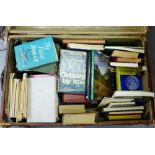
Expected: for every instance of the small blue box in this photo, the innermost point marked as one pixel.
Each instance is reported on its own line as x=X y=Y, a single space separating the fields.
x=131 y=82
x=35 y=53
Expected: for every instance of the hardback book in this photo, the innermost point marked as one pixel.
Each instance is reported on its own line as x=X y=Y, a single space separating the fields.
x=100 y=76
x=128 y=79
x=71 y=109
x=35 y=53
x=84 y=41
x=48 y=68
x=72 y=119
x=125 y=60
x=121 y=104
x=43 y=100
x=85 y=46
x=125 y=48
x=74 y=98
x=121 y=64
x=124 y=117
x=72 y=72
x=124 y=54
x=133 y=94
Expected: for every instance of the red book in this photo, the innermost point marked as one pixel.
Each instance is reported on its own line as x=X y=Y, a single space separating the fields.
x=74 y=98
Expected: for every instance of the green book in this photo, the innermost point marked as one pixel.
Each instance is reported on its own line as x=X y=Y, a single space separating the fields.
x=92 y=77
x=48 y=68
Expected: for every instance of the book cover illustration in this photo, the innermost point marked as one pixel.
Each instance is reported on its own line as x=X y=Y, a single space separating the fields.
x=101 y=75
x=128 y=79
x=35 y=53
x=72 y=72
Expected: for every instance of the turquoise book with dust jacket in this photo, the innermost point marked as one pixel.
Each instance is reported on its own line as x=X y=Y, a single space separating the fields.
x=35 y=53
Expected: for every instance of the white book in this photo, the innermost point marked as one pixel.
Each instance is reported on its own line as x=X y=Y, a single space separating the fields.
x=132 y=94
x=85 y=46
x=119 y=64
x=106 y=101
x=111 y=105
x=43 y=101
x=124 y=48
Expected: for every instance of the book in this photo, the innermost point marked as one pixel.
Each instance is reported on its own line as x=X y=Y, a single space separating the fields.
x=83 y=41
x=72 y=72
x=120 y=64
x=124 y=117
x=71 y=109
x=35 y=53
x=121 y=104
x=124 y=54
x=101 y=83
x=131 y=60
x=72 y=119
x=85 y=46
x=128 y=79
x=74 y=98
x=121 y=108
x=125 y=48
x=133 y=94
x=49 y=68
x=125 y=112
x=105 y=101
x=43 y=99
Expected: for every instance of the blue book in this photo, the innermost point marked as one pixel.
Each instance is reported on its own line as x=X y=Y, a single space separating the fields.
x=131 y=82
x=35 y=53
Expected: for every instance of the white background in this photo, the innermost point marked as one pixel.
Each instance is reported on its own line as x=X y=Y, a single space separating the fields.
x=77 y=13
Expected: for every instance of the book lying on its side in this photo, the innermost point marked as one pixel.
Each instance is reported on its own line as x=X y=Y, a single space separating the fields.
x=133 y=94
x=125 y=112
x=126 y=60
x=123 y=104
x=85 y=46
x=85 y=118
x=109 y=109
x=124 y=117
x=83 y=41
x=74 y=98
x=125 y=48
x=71 y=109
x=121 y=64
x=124 y=54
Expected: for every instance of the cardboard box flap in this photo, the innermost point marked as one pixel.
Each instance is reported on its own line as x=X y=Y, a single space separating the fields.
x=83 y=30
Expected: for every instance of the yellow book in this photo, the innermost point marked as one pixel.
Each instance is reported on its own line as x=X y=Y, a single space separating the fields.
x=123 y=117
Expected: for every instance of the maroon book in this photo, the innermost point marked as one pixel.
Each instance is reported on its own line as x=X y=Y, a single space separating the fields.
x=74 y=98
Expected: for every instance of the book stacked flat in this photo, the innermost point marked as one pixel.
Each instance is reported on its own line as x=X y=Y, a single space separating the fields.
x=121 y=109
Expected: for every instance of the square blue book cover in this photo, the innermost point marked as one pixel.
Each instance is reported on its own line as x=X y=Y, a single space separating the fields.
x=35 y=53
x=131 y=82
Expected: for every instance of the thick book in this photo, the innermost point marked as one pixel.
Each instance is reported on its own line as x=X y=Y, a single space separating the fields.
x=85 y=46
x=117 y=59
x=35 y=53
x=72 y=72
x=133 y=94
x=71 y=109
x=124 y=54
x=128 y=79
x=43 y=100
x=101 y=78
x=125 y=64
x=74 y=98
x=85 y=118
x=126 y=48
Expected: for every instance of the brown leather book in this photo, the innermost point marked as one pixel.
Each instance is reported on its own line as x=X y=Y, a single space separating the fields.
x=74 y=98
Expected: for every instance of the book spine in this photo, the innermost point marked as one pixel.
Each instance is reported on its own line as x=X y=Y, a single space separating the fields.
x=88 y=75
x=92 y=76
x=118 y=82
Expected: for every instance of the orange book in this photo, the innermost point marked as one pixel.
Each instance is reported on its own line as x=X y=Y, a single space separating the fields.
x=127 y=60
